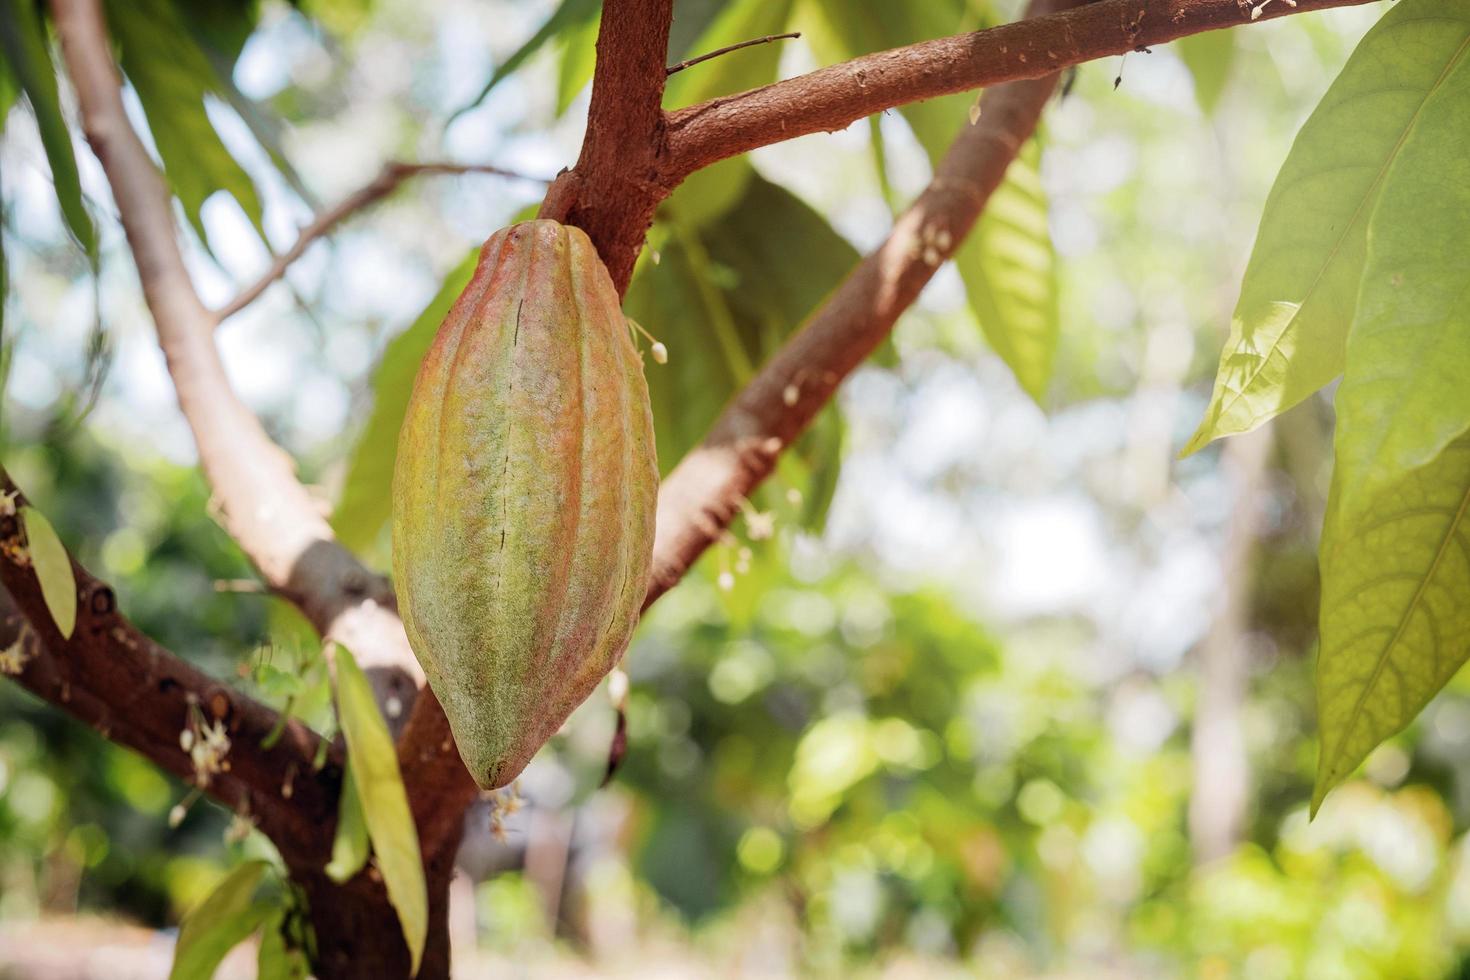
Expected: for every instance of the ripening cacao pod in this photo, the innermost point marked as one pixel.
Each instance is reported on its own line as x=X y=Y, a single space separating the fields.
x=524 y=496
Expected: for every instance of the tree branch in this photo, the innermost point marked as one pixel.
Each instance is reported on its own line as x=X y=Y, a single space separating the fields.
x=612 y=191
x=702 y=495
x=265 y=508
x=830 y=99
x=114 y=678
x=386 y=182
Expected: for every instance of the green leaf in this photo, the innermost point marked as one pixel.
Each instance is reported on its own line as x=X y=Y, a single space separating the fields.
x=1403 y=396
x=52 y=566
x=385 y=807
x=571 y=19
x=1395 y=622
x=218 y=924
x=1208 y=57
x=1009 y=269
x=367 y=492
x=23 y=42
x=1300 y=292
x=350 y=846
x=277 y=959
x=172 y=76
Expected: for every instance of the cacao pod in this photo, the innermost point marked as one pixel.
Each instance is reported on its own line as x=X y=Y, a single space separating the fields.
x=524 y=495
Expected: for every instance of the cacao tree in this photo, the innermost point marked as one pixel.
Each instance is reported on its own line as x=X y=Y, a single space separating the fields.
x=520 y=472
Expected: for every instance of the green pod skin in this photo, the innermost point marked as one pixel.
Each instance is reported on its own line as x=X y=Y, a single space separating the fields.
x=524 y=495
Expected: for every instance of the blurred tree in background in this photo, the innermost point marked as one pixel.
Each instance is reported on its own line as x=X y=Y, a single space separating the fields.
x=984 y=680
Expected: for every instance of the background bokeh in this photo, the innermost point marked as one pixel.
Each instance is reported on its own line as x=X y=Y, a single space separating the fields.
x=1012 y=691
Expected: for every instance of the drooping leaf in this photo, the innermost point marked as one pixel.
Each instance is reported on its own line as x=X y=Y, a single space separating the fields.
x=218 y=924
x=350 y=846
x=366 y=498
x=1290 y=325
x=277 y=959
x=1403 y=396
x=570 y=18
x=385 y=808
x=52 y=566
x=1395 y=620
x=1009 y=269
x=172 y=77
x=24 y=45
x=1208 y=57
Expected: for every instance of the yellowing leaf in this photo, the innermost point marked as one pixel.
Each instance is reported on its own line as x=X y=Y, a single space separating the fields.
x=1395 y=608
x=1300 y=290
x=52 y=566
x=384 y=802
x=350 y=846
x=218 y=924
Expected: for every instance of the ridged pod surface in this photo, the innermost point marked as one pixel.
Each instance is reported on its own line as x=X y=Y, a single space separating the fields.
x=524 y=496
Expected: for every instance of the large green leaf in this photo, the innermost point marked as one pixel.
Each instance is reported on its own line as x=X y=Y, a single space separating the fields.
x=1009 y=269
x=172 y=76
x=367 y=491
x=384 y=802
x=1395 y=617
x=23 y=42
x=1208 y=57
x=1404 y=395
x=1290 y=325
x=52 y=566
x=219 y=924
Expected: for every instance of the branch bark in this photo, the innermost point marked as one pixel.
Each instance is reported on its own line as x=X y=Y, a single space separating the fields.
x=265 y=508
x=114 y=678
x=386 y=182
x=703 y=494
x=831 y=98
x=612 y=191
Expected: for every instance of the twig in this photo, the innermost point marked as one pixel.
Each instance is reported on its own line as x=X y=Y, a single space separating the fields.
x=114 y=678
x=386 y=182
x=691 y=62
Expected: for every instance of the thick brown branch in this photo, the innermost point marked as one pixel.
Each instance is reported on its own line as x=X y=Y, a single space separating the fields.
x=265 y=508
x=831 y=98
x=703 y=494
x=612 y=191
x=386 y=182
x=117 y=680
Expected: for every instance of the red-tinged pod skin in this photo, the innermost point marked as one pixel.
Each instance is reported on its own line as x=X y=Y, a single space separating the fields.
x=524 y=496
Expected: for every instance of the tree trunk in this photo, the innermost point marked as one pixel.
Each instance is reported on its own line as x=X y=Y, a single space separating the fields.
x=357 y=930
